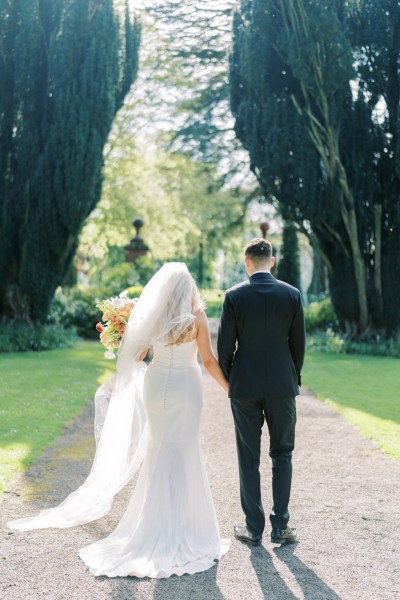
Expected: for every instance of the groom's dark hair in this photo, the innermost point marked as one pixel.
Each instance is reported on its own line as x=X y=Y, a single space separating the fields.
x=258 y=250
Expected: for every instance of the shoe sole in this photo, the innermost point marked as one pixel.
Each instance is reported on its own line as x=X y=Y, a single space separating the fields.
x=282 y=541
x=248 y=540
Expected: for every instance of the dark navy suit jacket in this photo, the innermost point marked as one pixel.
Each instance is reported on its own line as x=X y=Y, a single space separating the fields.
x=261 y=338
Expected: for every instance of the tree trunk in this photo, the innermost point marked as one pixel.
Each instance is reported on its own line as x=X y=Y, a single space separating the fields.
x=378 y=263
x=319 y=282
x=350 y=222
x=15 y=304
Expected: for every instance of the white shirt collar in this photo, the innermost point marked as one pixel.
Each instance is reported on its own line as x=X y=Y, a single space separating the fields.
x=261 y=271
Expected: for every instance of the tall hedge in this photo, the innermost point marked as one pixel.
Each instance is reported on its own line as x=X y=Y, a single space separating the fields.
x=315 y=91
x=65 y=67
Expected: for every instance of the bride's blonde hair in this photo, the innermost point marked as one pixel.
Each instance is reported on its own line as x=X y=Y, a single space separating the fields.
x=186 y=280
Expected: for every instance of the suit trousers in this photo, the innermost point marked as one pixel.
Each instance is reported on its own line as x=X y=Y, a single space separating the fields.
x=280 y=416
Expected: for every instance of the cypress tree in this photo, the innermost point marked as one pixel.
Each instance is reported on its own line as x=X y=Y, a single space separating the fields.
x=318 y=284
x=315 y=95
x=289 y=262
x=65 y=69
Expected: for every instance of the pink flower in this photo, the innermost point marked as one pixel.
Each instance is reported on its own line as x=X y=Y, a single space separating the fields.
x=99 y=327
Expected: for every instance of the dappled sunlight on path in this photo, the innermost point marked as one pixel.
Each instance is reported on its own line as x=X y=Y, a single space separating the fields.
x=12 y=460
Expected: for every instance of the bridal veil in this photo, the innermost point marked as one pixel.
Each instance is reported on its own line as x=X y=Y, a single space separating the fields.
x=163 y=312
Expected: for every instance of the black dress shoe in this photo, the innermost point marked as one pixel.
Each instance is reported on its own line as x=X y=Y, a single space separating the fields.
x=284 y=536
x=244 y=535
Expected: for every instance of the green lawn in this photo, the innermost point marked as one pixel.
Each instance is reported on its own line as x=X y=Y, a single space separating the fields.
x=365 y=389
x=40 y=393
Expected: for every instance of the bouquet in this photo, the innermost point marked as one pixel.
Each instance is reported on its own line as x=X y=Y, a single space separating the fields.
x=116 y=313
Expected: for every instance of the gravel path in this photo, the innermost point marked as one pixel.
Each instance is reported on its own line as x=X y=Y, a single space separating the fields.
x=345 y=504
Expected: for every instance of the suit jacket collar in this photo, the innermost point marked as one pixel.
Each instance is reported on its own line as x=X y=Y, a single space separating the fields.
x=257 y=277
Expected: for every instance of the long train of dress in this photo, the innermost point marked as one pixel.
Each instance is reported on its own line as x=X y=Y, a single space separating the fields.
x=170 y=525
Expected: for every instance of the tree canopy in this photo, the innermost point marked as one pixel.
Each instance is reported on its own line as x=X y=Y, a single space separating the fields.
x=315 y=94
x=188 y=215
x=65 y=68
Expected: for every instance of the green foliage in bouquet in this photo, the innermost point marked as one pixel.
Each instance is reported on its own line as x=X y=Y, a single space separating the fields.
x=115 y=316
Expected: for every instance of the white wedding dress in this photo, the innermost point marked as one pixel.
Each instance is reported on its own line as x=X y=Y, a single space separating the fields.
x=149 y=417
x=170 y=525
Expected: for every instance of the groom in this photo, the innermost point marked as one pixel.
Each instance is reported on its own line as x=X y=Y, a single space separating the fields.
x=261 y=343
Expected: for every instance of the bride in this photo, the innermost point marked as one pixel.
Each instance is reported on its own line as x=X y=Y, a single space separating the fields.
x=150 y=417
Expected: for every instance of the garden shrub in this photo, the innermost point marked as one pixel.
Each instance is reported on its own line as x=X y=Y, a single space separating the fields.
x=329 y=341
x=76 y=307
x=326 y=341
x=320 y=315
x=377 y=347
x=214 y=300
x=17 y=336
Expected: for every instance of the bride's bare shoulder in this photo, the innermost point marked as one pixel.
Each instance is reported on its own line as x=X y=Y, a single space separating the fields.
x=200 y=315
x=201 y=322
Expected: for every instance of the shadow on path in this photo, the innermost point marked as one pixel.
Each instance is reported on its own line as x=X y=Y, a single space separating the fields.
x=271 y=583
x=194 y=587
x=312 y=586
x=200 y=586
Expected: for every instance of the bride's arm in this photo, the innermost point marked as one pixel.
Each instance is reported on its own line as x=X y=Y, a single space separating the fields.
x=143 y=355
x=206 y=352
